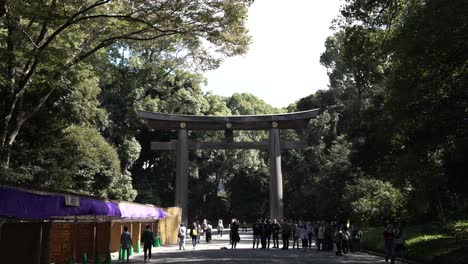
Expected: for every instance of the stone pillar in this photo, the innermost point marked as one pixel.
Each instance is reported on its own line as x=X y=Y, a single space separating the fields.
x=276 y=177
x=181 y=199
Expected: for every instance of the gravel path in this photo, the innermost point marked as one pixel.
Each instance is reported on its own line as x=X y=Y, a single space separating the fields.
x=211 y=253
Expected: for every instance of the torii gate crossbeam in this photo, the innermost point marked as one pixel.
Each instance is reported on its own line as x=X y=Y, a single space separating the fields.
x=273 y=123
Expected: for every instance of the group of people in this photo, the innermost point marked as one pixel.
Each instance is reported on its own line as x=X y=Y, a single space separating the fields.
x=327 y=236
x=302 y=233
x=205 y=229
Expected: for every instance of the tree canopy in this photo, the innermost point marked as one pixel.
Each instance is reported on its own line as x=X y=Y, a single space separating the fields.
x=390 y=143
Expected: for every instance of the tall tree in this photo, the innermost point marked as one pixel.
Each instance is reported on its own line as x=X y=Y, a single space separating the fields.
x=43 y=40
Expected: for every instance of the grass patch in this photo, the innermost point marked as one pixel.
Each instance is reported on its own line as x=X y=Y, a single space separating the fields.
x=427 y=243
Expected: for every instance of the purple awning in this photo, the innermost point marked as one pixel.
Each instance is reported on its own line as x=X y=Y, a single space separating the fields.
x=27 y=204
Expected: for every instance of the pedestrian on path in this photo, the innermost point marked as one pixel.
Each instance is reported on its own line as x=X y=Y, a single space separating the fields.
x=147 y=239
x=126 y=242
x=181 y=235
x=208 y=231
x=256 y=233
x=244 y=226
x=235 y=238
x=194 y=234
x=276 y=229
x=220 y=228
x=285 y=234
x=296 y=234
x=304 y=236
x=389 y=236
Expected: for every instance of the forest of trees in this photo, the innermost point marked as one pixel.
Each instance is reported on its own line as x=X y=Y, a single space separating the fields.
x=391 y=140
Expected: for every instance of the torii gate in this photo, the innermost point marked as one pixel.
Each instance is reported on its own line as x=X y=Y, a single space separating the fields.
x=273 y=123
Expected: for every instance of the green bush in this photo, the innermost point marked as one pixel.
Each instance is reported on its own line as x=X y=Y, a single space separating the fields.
x=427 y=243
x=458 y=229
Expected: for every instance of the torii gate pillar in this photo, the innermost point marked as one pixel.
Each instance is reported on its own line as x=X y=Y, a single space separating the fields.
x=181 y=197
x=276 y=177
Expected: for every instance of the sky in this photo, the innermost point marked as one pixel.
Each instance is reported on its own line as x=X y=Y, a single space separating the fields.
x=283 y=62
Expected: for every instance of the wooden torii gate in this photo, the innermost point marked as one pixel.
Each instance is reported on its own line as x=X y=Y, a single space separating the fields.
x=273 y=123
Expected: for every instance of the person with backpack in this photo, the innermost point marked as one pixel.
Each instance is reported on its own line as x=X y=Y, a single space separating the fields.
x=194 y=234
x=147 y=239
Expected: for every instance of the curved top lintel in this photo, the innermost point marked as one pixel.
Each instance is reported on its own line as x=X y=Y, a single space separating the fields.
x=242 y=122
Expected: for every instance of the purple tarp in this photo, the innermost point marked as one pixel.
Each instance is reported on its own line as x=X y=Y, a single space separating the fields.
x=30 y=205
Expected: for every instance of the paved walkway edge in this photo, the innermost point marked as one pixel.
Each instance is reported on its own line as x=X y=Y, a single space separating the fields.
x=383 y=255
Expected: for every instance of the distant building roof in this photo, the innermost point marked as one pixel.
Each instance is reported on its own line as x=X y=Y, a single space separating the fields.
x=23 y=203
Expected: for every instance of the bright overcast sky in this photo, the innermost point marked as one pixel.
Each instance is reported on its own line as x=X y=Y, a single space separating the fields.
x=282 y=64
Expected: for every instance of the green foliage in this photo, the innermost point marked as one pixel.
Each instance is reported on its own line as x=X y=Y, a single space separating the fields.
x=428 y=243
x=374 y=201
x=129 y=151
x=86 y=162
x=458 y=229
x=43 y=41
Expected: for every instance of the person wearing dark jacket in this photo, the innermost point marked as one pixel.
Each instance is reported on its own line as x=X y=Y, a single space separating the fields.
x=126 y=242
x=256 y=233
x=389 y=236
x=285 y=234
x=338 y=237
x=147 y=239
x=275 y=230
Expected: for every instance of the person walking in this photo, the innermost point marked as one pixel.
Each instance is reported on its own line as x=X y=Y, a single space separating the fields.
x=399 y=241
x=263 y=233
x=235 y=238
x=208 y=230
x=204 y=226
x=268 y=231
x=200 y=231
x=256 y=233
x=346 y=240
x=285 y=234
x=194 y=234
x=310 y=233
x=338 y=237
x=389 y=236
x=321 y=237
x=275 y=231
x=244 y=226
x=181 y=235
x=126 y=242
x=220 y=228
x=304 y=233
x=147 y=239
x=296 y=234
